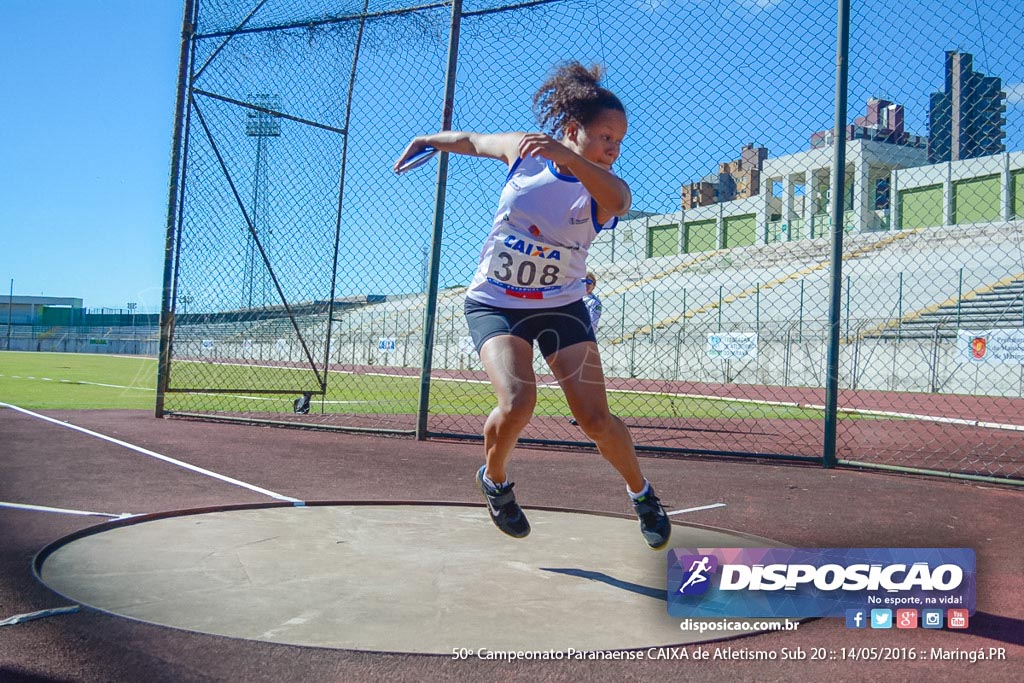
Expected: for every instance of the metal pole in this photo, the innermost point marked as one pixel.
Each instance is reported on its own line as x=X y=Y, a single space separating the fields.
x=622 y=321
x=847 y=316
x=341 y=198
x=959 y=297
x=684 y=310
x=10 y=314
x=838 y=196
x=757 y=309
x=652 y=316
x=166 y=306
x=800 y=332
x=131 y=311
x=899 y=311
x=675 y=366
x=719 y=308
x=430 y=314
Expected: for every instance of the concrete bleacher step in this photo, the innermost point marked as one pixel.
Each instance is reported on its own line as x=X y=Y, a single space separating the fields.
x=977 y=309
x=964 y=321
x=916 y=335
x=971 y=313
x=937 y=332
x=1009 y=232
x=857 y=248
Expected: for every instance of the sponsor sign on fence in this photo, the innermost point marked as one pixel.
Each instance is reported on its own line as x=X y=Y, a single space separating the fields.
x=732 y=345
x=992 y=347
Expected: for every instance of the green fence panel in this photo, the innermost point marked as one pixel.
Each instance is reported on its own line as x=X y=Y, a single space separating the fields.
x=977 y=200
x=740 y=231
x=663 y=240
x=701 y=236
x=921 y=207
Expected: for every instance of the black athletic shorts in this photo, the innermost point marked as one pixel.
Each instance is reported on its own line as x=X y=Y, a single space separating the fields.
x=553 y=328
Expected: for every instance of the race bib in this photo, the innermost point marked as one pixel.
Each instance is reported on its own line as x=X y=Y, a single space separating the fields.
x=530 y=265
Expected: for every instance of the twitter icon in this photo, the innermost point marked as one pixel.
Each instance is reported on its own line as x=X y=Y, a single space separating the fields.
x=881 y=618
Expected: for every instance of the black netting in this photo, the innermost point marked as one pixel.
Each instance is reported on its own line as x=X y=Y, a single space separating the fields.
x=302 y=260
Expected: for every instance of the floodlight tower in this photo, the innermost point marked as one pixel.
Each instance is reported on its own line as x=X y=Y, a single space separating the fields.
x=259 y=125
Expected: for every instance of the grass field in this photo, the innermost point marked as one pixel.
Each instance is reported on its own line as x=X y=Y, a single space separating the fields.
x=91 y=381
x=77 y=381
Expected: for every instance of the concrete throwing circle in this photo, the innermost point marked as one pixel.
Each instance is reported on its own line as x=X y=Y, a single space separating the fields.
x=413 y=578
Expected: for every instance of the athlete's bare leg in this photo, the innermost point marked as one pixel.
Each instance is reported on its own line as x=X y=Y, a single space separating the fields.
x=578 y=371
x=508 y=361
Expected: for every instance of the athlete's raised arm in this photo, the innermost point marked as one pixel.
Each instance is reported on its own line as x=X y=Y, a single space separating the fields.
x=501 y=146
x=610 y=192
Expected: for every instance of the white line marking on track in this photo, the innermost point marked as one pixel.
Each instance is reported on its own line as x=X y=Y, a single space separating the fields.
x=697 y=509
x=81 y=381
x=101 y=384
x=63 y=511
x=728 y=399
x=195 y=393
x=669 y=394
x=153 y=454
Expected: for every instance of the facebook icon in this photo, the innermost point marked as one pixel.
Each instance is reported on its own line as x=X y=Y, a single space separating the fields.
x=856 y=618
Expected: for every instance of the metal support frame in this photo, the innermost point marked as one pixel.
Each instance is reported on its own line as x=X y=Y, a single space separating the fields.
x=430 y=314
x=828 y=459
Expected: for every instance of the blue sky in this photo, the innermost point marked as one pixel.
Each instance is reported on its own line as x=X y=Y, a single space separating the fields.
x=89 y=87
x=86 y=129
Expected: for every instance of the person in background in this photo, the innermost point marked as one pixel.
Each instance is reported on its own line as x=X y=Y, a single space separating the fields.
x=593 y=305
x=591 y=301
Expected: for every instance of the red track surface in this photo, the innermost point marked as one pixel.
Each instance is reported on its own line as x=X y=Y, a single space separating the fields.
x=43 y=464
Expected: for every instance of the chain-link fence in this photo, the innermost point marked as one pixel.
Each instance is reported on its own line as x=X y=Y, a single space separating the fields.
x=300 y=267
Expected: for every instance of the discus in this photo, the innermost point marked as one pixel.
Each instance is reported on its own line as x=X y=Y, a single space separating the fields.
x=418 y=159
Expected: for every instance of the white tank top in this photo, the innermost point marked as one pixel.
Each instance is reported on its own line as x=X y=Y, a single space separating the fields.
x=535 y=255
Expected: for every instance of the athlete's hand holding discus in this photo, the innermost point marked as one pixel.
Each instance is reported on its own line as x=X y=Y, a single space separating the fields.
x=415 y=155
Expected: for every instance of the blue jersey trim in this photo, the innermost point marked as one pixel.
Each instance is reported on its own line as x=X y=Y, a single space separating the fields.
x=560 y=176
x=512 y=169
x=593 y=216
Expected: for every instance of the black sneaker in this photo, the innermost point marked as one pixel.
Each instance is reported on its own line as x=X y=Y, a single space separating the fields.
x=502 y=507
x=654 y=523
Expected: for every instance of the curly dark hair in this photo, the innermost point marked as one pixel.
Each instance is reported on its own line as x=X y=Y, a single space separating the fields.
x=573 y=93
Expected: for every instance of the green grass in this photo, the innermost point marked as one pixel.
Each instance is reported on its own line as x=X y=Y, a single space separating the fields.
x=74 y=381
x=90 y=381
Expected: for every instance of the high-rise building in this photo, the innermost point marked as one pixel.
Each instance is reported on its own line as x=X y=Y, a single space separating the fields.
x=966 y=119
x=883 y=122
x=737 y=179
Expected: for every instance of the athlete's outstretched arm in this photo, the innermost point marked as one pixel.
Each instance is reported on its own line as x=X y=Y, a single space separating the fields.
x=502 y=146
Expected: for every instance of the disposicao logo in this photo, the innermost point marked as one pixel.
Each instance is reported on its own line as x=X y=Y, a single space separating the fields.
x=698 y=577
x=816 y=582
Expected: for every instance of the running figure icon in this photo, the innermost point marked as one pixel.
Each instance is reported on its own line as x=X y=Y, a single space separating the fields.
x=698 y=570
